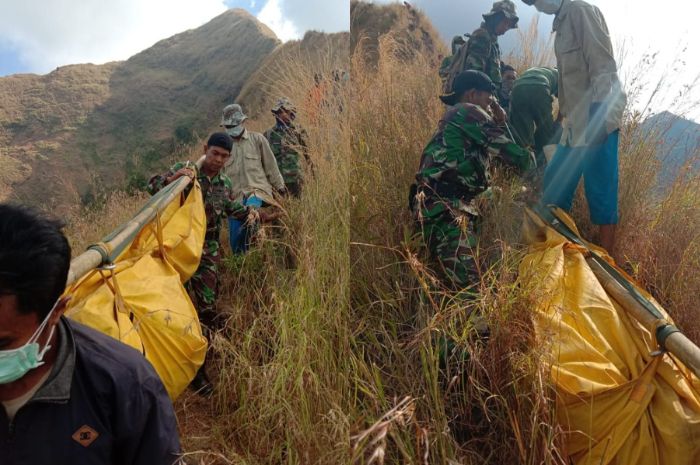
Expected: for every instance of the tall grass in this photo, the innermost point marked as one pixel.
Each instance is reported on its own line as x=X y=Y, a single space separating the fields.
x=491 y=409
x=334 y=348
x=283 y=362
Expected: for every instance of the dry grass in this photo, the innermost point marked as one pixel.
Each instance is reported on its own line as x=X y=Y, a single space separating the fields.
x=532 y=49
x=334 y=350
x=494 y=408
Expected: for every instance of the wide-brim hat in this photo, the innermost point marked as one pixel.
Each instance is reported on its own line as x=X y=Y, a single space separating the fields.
x=233 y=115
x=507 y=7
x=284 y=104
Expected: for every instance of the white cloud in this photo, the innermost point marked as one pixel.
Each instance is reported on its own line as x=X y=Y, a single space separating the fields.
x=291 y=18
x=271 y=15
x=49 y=33
x=320 y=15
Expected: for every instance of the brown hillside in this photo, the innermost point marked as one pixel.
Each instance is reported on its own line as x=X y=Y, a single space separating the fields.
x=117 y=122
x=40 y=113
x=409 y=32
x=295 y=61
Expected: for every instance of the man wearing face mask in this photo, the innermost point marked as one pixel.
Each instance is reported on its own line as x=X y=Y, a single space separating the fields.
x=592 y=102
x=287 y=142
x=253 y=171
x=482 y=52
x=70 y=395
x=454 y=172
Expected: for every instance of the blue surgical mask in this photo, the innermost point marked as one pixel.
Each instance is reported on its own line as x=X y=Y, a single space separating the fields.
x=15 y=363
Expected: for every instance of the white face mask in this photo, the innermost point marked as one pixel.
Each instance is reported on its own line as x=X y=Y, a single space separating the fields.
x=236 y=131
x=549 y=7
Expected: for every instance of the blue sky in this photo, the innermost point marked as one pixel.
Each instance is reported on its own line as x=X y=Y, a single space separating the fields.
x=36 y=36
x=10 y=62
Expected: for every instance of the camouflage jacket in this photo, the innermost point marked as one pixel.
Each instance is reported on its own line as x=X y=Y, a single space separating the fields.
x=444 y=70
x=480 y=53
x=454 y=168
x=484 y=54
x=287 y=143
x=217 y=193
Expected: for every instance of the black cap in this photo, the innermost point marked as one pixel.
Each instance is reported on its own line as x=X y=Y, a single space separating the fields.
x=220 y=139
x=465 y=81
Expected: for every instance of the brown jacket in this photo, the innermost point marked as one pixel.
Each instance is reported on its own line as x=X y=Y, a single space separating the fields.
x=253 y=168
x=587 y=69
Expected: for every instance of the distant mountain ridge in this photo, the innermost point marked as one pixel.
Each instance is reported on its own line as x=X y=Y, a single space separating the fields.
x=86 y=127
x=680 y=143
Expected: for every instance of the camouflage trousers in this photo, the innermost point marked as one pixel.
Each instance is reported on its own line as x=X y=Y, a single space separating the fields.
x=204 y=284
x=451 y=239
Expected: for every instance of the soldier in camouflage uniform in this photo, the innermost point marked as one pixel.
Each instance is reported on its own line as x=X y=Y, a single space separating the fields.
x=444 y=71
x=482 y=52
x=287 y=142
x=454 y=171
x=218 y=205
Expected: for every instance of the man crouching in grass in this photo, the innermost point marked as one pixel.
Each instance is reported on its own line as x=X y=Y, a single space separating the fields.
x=219 y=204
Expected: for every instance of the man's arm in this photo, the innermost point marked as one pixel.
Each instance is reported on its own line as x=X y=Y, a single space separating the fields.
x=590 y=27
x=159 y=181
x=501 y=146
x=272 y=171
x=152 y=436
x=233 y=208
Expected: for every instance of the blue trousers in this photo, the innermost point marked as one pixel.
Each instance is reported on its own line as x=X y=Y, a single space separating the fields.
x=598 y=166
x=239 y=234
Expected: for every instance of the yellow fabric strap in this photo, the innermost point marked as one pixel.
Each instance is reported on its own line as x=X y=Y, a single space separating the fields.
x=159 y=237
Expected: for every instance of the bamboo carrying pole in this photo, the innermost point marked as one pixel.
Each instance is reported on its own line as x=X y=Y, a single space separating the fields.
x=93 y=258
x=676 y=343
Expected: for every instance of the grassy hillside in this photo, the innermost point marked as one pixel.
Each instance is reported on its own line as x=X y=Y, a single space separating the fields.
x=332 y=349
x=316 y=52
x=103 y=126
x=408 y=31
x=40 y=114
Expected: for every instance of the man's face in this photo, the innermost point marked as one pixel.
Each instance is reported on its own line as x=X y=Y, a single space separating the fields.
x=503 y=26
x=510 y=75
x=216 y=158
x=284 y=115
x=16 y=328
x=235 y=131
x=481 y=98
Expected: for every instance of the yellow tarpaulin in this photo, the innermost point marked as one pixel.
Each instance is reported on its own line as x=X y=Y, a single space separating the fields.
x=617 y=403
x=142 y=301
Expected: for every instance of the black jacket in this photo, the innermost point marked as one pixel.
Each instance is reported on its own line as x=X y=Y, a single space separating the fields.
x=103 y=403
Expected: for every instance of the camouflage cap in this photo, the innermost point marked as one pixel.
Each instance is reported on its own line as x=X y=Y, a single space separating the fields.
x=507 y=7
x=233 y=115
x=283 y=103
